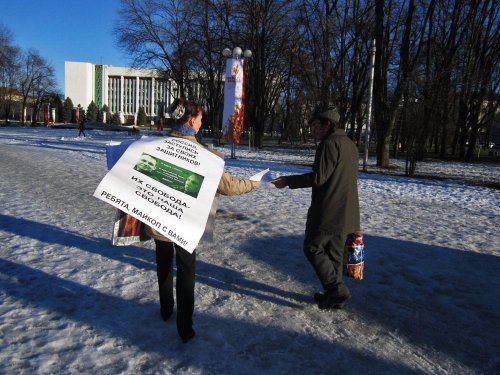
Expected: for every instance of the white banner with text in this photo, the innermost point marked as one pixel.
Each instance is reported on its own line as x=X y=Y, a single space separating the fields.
x=167 y=183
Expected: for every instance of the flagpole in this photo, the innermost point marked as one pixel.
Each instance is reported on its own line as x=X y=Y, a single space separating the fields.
x=369 y=114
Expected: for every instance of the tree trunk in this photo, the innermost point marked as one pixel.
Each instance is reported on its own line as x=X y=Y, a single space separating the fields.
x=472 y=144
x=383 y=142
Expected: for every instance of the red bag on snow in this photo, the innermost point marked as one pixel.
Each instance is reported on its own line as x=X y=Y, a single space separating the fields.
x=354 y=256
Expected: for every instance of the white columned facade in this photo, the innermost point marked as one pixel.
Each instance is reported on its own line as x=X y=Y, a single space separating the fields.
x=122 y=90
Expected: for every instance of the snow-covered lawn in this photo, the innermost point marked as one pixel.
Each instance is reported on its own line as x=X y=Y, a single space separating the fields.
x=72 y=303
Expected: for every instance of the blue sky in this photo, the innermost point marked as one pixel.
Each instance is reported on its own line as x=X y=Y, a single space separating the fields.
x=65 y=30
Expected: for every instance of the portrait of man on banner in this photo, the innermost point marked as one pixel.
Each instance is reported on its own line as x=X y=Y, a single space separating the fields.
x=171 y=175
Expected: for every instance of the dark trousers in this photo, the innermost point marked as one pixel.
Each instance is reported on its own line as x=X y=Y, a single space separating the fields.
x=326 y=253
x=184 y=287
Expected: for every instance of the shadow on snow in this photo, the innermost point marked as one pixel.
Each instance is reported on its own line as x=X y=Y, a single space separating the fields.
x=247 y=345
x=434 y=296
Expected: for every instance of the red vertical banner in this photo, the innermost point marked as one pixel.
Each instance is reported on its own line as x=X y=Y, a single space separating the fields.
x=76 y=114
x=234 y=107
x=46 y=115
x=242 y=114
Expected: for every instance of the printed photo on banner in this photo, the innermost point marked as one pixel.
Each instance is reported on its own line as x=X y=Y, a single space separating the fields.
x=127 y=230
x=170 y=175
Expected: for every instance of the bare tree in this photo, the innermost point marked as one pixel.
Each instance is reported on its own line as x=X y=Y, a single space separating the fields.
x=158 y=34
x=289 y=98
x=358 y=62
x=9 y=66
x=42 y=90
x=445 y=33
x=36 y=79
x=335 y=56
x=264 y=26
x=210 y=30
x=436 y=61
x=480 y=80
x=316 y=19
x=398 y=31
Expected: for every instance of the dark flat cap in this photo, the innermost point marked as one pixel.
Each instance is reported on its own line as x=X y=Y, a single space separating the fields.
x=330 y=114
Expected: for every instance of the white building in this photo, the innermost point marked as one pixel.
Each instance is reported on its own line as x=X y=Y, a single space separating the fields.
x=121 y=89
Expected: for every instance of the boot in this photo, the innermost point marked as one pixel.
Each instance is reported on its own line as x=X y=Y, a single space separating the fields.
x=334 y=298
x=319 y=296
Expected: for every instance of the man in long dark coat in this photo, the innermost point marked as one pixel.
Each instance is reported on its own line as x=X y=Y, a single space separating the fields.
x=334 y=210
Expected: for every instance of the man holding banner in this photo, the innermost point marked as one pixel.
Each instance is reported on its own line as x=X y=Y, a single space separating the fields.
x=175 y=199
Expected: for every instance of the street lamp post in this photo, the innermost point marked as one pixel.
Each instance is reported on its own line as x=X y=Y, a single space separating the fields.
x=370 y=96
x=236 y=54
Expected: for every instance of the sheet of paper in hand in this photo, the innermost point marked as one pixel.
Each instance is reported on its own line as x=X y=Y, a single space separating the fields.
x=262 y=176
x=167 y=183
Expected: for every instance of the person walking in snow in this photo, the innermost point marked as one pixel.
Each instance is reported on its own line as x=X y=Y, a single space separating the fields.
x=187 y=116
x=81 y=128
x=334 y=209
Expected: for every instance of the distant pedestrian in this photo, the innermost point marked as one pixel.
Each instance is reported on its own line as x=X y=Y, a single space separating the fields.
x=81 y=127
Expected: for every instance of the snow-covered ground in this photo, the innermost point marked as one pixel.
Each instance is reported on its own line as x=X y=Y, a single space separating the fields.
x=72 y=303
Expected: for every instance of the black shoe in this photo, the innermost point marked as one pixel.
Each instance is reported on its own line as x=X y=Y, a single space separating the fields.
x=334 y=298
x=326 y=306
x=319 y=296
x=333 y=303
x=185 y=337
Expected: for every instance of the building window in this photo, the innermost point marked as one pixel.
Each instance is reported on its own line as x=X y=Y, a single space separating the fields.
x=130 y=88
x=145 y=86
x=114 y=94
